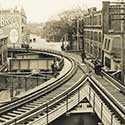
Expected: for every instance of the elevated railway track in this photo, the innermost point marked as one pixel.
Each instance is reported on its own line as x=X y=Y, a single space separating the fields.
x=110 y=92
x=49 y=101
x=39 y=103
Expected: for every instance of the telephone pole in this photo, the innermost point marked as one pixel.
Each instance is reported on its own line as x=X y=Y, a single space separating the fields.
x=78 y=39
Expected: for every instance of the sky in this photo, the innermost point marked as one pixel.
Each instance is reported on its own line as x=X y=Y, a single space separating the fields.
x=42 y=10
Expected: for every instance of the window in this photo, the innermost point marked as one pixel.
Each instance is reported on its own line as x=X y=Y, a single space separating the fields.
x=90 y=20
x=108 y=62
x=87 y=34
x=96 y=20
x=100 y=20
x=108 y=44
x=105 y=43
x=34 y=40
x=100 y=38
x=96 y=36
x=30 y=40
x=99 y=53
x=91 y=35
x=22 y=29
x=91 y=49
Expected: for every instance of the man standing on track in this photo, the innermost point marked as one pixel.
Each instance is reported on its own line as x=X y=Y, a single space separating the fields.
x=83 y=56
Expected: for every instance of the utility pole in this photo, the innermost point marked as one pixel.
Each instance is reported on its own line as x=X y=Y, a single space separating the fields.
x=78 y=39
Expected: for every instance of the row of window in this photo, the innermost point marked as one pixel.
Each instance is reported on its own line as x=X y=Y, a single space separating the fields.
x=93 y=35
x=33 y=40
x=93 y=50
x=93 y=20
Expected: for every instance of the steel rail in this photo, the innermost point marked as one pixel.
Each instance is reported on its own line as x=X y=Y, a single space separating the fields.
x=57 y=101
x=35 y=95
x=19 y=101
x=111 y=79
x=108 y=98
x=114 y=81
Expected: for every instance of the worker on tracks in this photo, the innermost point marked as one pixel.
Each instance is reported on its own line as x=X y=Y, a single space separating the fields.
x=54 y=67
x=98 y=68
x=83 y=56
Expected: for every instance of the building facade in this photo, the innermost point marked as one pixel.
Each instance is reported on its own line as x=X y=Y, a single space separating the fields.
x=102 y=34
x=3 y=46
x=93 y=33
x=14 y=20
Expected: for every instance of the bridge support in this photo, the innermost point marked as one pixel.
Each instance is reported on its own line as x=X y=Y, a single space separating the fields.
x=106 y=116
x=101 y=110
x=89 y=94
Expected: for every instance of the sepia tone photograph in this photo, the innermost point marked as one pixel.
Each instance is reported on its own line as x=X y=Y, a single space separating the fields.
x=62 y=62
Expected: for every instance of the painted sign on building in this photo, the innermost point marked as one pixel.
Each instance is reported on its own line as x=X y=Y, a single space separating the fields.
x=7 y=20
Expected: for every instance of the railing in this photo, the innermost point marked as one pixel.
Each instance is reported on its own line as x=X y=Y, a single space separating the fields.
x=110 y=105
x=108 y=99
x=24 y=80
x=114 y=81
x=39 y=93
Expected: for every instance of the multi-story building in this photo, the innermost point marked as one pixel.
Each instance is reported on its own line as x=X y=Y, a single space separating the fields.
x=102 y=36
x=14 y=20
x=3 y=46
x=93 y=32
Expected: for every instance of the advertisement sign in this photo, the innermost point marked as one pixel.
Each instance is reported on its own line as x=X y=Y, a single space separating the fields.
x=13 y=36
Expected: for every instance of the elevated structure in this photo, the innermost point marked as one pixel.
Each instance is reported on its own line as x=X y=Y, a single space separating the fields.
x=50 y=100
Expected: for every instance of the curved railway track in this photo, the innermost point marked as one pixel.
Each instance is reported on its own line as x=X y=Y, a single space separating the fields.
x=34 y=105
x=114 y=93
x=113 y=90
x=40 y=103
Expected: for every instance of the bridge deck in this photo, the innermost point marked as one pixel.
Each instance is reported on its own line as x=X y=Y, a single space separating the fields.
x=109 y=87
x=62 y=72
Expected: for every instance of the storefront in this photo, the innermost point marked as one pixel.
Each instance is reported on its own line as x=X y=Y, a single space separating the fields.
x=112 y=52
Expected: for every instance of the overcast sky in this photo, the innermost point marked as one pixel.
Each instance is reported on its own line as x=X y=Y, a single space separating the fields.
x=42 y=10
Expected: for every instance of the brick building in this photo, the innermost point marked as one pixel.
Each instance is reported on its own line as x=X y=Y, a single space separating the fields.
x=102 y=34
